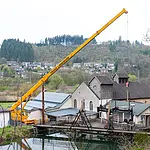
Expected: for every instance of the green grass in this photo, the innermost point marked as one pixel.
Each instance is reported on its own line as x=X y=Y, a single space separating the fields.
x=11 y=133
x=6 y=104
x=11 y=128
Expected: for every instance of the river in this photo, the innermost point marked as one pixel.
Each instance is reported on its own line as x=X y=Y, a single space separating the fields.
x=59 y=141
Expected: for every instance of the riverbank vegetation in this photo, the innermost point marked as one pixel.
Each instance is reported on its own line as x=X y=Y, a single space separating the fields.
x=6 y=104
x=139 y=142
x=10 y=133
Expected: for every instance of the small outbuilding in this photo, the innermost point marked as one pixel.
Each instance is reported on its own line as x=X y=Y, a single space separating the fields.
x=141 y=112
x=52 y=101
x=4 y=117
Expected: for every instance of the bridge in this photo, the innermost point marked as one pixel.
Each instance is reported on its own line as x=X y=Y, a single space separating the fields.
x=83 y=129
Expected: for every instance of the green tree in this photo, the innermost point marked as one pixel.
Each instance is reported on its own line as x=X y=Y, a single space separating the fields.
x=55 y=81
x=132 y=78
x=112 y=47
x=13 y=49
x=3 y=60
x=8 y=72
x=116 y=66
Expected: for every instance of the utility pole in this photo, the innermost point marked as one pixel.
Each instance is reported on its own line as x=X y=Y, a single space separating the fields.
x=21 y=113
x=127 y=87
x=43 y=119
x=138 y=75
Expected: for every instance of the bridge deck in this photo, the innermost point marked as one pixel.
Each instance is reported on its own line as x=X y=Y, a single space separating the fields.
x=85 y=129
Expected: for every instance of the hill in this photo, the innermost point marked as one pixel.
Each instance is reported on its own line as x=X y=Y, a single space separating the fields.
x=129 y=56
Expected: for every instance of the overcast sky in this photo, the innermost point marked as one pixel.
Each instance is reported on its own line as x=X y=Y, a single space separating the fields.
x=34 y=20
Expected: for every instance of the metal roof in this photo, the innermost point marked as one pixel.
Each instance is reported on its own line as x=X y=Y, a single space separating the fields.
x=38 y=104
x=137 y=109
x=68 y=112
x=52 y=97
x=63 y=112
x=51 y=100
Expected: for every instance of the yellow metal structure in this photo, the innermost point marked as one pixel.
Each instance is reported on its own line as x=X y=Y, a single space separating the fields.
x=15 y=113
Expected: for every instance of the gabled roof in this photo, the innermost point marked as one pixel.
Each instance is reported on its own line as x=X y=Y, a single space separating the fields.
x=137 y=109
x=103 y=80
x=91 y=90
x=121 y=75
x=136 y=90
x=51 y=100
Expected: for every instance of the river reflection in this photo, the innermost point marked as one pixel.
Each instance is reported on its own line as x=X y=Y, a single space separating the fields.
x=60 y=141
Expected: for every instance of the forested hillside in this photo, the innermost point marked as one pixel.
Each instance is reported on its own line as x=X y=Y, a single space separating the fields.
x=132 y=57
x=128 y=56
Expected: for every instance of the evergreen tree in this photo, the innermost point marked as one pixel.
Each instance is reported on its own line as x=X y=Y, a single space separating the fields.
x=13 y=49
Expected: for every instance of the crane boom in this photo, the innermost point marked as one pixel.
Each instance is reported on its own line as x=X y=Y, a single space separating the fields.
x=66 y=59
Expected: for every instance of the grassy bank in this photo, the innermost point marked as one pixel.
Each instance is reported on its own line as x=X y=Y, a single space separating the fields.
x=6 y=104
x=10 y=133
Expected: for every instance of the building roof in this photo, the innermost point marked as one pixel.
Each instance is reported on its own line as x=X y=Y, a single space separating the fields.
x=68 y=112
x=63 y=112
x=136 y=90
x=138 y=108
x=51 y=100
x=122 y=75
x=103 y=80
x=2 y=110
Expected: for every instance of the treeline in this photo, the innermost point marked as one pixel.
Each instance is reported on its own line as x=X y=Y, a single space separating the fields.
x=113 y=45
x=15 y=50
x=66 y=40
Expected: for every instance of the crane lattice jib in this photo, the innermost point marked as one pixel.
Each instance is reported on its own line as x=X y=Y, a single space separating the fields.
x=66 y=59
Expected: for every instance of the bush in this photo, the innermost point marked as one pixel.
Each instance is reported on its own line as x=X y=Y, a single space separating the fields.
x=3 y=88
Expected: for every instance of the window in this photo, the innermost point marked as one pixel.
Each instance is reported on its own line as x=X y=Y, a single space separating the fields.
x=94 y=86
x=91 y=105
x=142 y=117
x=75 y=103
x=83 y=104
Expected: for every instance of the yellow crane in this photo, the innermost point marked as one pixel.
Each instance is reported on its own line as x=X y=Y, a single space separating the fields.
x=16 y=113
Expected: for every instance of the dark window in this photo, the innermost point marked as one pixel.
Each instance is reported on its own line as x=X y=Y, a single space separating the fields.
x=91 y=105
x=83 y=104
x=119 y=80
x=75 y=103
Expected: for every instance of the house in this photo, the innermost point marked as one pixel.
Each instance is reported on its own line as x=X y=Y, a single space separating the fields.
x=101 y=89
x=4 y=117
x=141 y=112
x=93 y=94
x=88 y=65
x=78 y=99
x=136 y=91
x=84 y=95
x=52 y=101
x=76 y=65
x=48 y=65
x=120 y=77
x=26 y=64
x=58 y=106
x=12 y=63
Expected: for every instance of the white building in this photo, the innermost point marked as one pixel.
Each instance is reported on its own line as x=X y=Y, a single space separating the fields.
x=4 y=117
x=141 y=112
